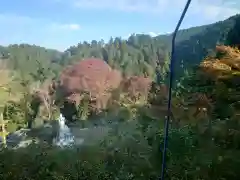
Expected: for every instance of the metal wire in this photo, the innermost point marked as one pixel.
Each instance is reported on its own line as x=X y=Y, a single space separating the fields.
x=166 y=129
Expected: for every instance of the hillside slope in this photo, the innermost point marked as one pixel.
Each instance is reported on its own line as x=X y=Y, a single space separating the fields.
x=193 y=44
x=139 y=55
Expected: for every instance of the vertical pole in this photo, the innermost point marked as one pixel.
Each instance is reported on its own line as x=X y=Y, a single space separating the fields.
x=166 y=129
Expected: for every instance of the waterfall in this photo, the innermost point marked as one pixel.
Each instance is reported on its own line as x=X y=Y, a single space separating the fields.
x=64 y=137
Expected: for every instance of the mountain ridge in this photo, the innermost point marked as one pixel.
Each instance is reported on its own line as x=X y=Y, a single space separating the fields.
x=139 y=54
x=160 y=36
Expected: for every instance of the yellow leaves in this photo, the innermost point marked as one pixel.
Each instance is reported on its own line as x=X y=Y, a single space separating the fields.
x=228 y=51
x=216 y=65
x=225 y=64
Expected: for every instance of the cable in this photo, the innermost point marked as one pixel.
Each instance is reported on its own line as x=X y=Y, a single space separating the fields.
x=166 y=129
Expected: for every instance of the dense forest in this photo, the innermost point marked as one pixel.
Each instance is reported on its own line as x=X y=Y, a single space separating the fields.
x=138 y=55
x=121 y=87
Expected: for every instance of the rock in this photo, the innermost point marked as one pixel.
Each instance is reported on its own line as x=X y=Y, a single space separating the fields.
x=38 y=123
x=16 y=137
x=23 y=144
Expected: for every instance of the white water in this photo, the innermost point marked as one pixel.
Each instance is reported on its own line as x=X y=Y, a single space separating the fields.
x=64 y=137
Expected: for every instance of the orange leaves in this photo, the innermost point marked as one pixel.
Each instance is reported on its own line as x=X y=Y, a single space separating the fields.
x=224 y=64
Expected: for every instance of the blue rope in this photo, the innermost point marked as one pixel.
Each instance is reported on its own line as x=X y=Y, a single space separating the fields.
x=166 y=129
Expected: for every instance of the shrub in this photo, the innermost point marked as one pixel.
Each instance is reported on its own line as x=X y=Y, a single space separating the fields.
x=128 y=153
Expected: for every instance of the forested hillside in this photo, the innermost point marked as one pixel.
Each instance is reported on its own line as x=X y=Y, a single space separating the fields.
x=193 y=48
x=119 y=87
x=139 y=55
x=139 y=60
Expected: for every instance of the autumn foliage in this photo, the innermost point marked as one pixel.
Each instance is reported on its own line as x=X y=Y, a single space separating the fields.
x=137 y=86
x=92 y=76
x=224 y=65
x=223 y=73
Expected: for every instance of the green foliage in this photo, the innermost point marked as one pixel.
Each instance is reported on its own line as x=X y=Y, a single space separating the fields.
x=26 y=58
x=138 y=55
x=194 y=44
x=12 y=127
x=233 y=37
x=128 y=153
x=83 y=108
x=14 y=113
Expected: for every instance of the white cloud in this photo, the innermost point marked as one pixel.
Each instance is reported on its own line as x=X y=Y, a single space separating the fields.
x=215 y=9
x=153 y=34
x=122 y=5
x=10 y=20
x=217 y=12
x=209 y=9
x=71 y=27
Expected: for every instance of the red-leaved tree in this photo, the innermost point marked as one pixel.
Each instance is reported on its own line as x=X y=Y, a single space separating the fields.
x=92 y=76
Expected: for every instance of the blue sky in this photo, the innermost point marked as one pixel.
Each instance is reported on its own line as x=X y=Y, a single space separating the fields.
x=60 y=23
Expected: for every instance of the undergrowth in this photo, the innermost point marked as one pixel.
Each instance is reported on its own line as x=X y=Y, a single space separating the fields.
x=125 y=155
